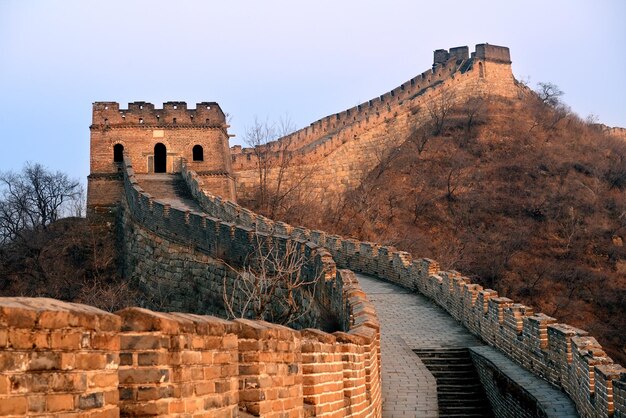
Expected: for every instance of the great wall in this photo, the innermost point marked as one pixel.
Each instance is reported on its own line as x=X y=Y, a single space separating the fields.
x=64 y=359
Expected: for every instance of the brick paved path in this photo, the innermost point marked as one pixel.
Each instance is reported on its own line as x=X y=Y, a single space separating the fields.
x=411 y=321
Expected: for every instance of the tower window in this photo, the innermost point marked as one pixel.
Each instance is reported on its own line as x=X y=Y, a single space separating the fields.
x=118 y=153
x=174 y=120
x=198 y=153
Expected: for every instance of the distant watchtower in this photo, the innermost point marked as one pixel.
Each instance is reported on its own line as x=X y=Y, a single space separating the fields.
x=157 y=141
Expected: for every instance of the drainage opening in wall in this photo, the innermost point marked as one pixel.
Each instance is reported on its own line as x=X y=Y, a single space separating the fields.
x=459 y=391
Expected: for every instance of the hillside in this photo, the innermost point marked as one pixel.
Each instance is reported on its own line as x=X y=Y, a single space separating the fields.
x=72 y=259
x=521 y=195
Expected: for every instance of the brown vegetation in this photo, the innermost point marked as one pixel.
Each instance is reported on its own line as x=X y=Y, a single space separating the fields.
x=71 y=260
x=524 y=197
x=272 y=285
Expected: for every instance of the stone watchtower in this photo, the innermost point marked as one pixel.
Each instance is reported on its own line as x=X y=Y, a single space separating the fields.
x=157 y=141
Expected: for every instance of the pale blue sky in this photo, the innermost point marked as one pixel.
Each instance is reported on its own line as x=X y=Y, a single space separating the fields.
x=267 y=58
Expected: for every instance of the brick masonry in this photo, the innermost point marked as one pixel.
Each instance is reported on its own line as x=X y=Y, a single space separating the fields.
x=142 y=362
x=67 y=359
x=57 y=359
x=137 y=130
x=514 y=392
x=160 y=364
x=333 y=154
x=563 y=355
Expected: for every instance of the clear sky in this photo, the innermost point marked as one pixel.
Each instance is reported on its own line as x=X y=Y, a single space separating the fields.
x=307 y=59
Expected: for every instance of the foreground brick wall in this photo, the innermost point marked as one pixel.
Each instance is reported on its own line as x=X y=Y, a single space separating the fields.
x=57 y=359
x=177 y=365
x=65 y=359
x=565 y=356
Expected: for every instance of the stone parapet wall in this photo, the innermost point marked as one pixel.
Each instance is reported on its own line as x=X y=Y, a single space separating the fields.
x=177 y=365
x=509 y=395
x=332 y=155
x=456 y=69
x=57 y=359
x=65 y=359
x=563 y=355
x=213 y=236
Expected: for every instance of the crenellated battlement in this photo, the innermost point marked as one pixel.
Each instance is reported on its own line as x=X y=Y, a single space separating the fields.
x=69 y=358
x=441 y=56
x=172 y=115
x=494 y=53
x=487 y=69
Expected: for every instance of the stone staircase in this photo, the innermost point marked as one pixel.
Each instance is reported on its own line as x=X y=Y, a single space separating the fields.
x=169 y=188
x=459 y=391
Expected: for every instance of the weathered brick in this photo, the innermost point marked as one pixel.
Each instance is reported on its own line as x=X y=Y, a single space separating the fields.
x=143 y=342
x=91 y=400
x=44 y=360
x=36 y=403
x=102 y=380
x=90 y=361
x=134 y=376
x=66 y=340
x=60 y=402
x=13 y=405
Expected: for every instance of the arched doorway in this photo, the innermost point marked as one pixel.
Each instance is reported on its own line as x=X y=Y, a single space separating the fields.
x=198 y=153
x=160 y=158
x=118 y=153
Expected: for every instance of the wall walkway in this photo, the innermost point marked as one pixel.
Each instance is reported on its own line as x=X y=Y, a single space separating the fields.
x=410 y=321
x=565 y=356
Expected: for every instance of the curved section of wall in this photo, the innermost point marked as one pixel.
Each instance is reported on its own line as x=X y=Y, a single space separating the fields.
x=57 y=357
x=340 y=372
x=565 y=356
x=63 y=358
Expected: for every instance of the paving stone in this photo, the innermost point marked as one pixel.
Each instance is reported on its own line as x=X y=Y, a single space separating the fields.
x=411 y=321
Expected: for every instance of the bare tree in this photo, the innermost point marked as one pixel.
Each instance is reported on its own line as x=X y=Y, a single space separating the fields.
x=420 y=136
x=273 y=284
x=549 y=93
x=439 y=109
x=257 y=137
x=33 y=199
x=547 y=107
x=474 y=110
x=272 y=148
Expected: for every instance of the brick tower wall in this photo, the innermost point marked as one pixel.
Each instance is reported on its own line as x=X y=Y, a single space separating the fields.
x=139 y=128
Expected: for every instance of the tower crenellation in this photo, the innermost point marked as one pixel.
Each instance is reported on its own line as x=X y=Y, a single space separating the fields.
x=493 y=53
x=172 y=113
